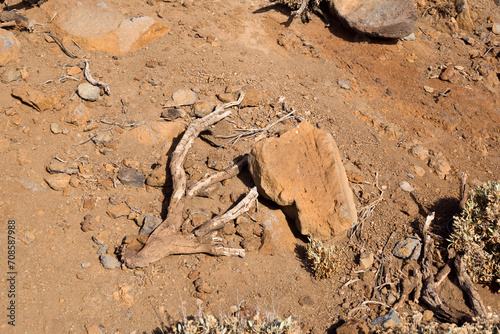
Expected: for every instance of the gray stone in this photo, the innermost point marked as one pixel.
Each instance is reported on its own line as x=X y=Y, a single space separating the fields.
x=172 y=113
x=149 y=224
x=102 y=250
x=409 y=248
x=109 y=262
x=102 y=137
x=344 y=84
x=88 y=92
x=184 y=97
x=378 y=18
x=405 y=186
x=130 y=176
x=387 y=320
x=10 y=75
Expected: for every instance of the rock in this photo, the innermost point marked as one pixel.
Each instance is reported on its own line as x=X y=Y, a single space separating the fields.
x=109 y=262
x=366 y=260
x=99 y=26
x=405 y=186
x=61 y=167
x=440 y=166
x=95 y=329
x=203 y=108
x=88 y=223
x=251 y=244
x=464 y=19
x=171 y=113
x=89 y=202
x=184 y=97
x=448 y=74
x=159 y=177
x=429 y=89
x=418 y=170
x=152 y=133
x=408 y=248
x=420 y=152
x=306 y=301
x=378 y=18
x=353 y=326
x=9 y=47
x=277 y=237
x=496 y=28
x=150 y=223
x=302 y=171
x=54 y=128
x=344 y=84
x=410 y=38
x=387 y=320
x=36 y=99
x=10 y=75
x=77 y=115
x=253 y=97
x=131 y=176
x=28 y=238
x=88 y=91
x=427 y=316
x=102 y=138
x=409 y=207
x=117 y=211
x=58 y=182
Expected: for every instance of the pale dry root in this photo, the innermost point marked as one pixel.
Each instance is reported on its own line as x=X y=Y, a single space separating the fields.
x=166 y=239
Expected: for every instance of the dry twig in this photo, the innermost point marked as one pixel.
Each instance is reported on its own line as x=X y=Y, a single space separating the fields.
x=92 y=81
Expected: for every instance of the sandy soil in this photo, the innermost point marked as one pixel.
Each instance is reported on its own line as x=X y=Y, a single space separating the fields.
x=61 y=286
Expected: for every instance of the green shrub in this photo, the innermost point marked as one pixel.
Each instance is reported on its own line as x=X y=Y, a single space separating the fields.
x=476 y=233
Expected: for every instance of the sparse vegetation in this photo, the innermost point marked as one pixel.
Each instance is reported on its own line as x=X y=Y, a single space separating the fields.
x=322 y=260
x=208 y=324
x=476 y=233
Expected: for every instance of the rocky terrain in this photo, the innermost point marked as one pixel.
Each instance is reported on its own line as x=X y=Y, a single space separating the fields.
x=94 y=99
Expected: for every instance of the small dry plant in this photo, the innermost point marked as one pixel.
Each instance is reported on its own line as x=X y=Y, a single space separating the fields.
x=208 y=324
x=476 y=233
x=323 y=260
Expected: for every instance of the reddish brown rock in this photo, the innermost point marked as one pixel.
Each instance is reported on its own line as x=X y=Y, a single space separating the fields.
x=99 y=26
x=302 y=172
x=35 y=98
x=9 y=47
x=378 y=18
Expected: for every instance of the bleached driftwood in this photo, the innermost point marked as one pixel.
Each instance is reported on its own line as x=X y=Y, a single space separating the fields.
x=166 y=239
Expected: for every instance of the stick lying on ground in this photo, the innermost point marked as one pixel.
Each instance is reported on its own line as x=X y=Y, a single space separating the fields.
x=166 y=240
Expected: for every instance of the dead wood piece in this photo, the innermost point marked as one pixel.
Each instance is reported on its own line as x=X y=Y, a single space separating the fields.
x=464 y=190
x=92 y=81
x=221 y=176
x=429 y=294
x=442 y=274
x=166 y=239
x=468 y=287
x=21 y=21
x=219 y=222
x=61 y=45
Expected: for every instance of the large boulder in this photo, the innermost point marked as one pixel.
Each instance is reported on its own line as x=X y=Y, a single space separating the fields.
x=303 y=173
x=96 y=25
x=9 y=47
x=378 y=18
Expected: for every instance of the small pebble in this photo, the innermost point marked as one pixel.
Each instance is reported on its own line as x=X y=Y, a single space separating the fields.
x=344 y=84
x=109 y=262
x=88 y=92
x=54 y=128
x=405 y=186
x=130 y=176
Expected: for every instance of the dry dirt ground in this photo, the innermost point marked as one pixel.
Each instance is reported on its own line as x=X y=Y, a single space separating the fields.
x=61 y=287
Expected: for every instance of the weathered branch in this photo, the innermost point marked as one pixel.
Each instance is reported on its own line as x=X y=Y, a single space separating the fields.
x=219 y=222
x=92 y=81
x=221 y=176
x=165 y=239
x=429 y=294
x=468 y=287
